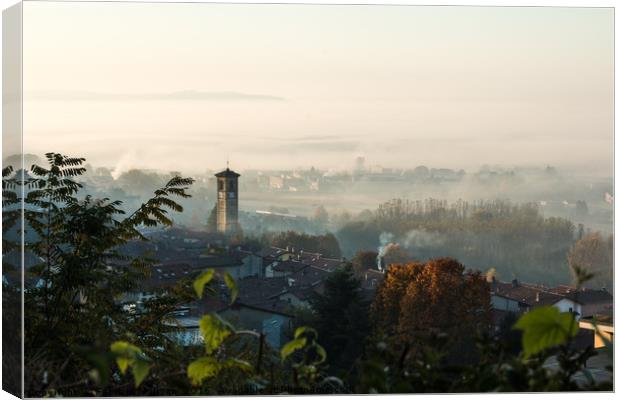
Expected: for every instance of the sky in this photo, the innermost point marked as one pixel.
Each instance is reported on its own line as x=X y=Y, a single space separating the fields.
x=188 y=86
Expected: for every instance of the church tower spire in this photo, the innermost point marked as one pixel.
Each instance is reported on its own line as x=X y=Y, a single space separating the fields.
x=227 y=209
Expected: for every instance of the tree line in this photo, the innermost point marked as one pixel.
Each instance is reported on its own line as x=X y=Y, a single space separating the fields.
x=515 y=239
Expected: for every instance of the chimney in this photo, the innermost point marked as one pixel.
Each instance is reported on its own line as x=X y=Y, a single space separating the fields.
x=515 y=283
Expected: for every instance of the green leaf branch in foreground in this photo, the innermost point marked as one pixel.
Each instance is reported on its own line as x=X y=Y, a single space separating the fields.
x=202 y=280
x=214 y=331
x=545 y=327
x=130 y=356
x=208 y=367
x=232 y=286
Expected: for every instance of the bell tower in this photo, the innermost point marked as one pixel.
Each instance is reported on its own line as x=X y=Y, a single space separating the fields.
x=227 y=211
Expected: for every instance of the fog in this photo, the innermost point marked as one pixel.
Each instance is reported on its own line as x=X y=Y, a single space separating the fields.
x=257 y=134
x=188 y=86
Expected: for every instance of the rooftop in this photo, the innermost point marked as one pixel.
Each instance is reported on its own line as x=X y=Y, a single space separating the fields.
x=227 y=173
x=533 y=295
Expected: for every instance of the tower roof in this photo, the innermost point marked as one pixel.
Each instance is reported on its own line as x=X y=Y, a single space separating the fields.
x=227 y=173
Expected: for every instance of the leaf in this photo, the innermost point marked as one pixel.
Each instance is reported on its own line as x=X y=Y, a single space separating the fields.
x=123 y=364
x=202 y=280
x=129 y=355
x=240 y=364
x=305 y=329
x=201 y=369
x=214 y=330
x=140 y=369
x=291 y=346
x=125 y=354
x=232 y=285
x=545 y=327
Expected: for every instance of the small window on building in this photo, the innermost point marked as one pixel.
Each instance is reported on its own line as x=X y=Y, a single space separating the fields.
x=220 y=185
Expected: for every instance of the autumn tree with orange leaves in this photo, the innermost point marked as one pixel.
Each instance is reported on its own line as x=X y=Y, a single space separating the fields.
x=436 y=297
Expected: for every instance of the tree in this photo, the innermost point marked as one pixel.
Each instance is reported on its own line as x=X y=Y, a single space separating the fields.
x=421 y=172
x=395 y=254
x=72 y=307
x=341 y=318
x=139 y=182
x=516 y=239
x=438 y=296
x=363 y=261
x=326 y=244
x=594 y=254
x=321 y=216
x=581 y=209
x=212 y=220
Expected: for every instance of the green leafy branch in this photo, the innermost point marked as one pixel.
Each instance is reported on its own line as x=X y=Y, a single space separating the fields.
x=310 y=355
x=545 y=327
x=207 y=276
x=130 y=356
x=215 y=331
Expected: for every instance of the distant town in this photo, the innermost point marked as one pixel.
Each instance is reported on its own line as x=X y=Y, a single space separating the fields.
x=276 y=282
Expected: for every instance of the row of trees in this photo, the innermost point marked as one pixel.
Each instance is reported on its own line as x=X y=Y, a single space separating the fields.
x=515 y=239
x=325 y=244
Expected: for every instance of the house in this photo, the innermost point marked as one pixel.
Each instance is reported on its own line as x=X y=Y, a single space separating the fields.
x=271 y=256
x=276 y=325
x=603 y=328
x=161 y=278
x=184 y=322
x=505 y=303
x=276 y=182
x=252 y=264
x=298 y=297
x=372 y=278
x=283 y=262
x=590 y=301
x=284 y=268
x=302 y=286
x=189 y=334
x=520 y=297
x=317 y=260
